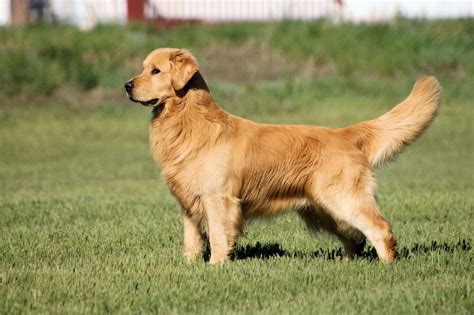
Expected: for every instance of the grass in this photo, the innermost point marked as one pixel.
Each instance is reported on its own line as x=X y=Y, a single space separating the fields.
x=87 y=225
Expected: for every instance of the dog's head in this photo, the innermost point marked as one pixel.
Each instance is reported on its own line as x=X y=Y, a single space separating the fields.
x=166 y=71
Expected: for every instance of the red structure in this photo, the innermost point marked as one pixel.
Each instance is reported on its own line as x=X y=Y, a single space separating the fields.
x=20 y=11
x=136 y=10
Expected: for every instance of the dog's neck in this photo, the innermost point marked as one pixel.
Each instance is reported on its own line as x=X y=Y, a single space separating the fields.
x=187 y=122
x=195 y=98
x=195 y=84
x=196 y=93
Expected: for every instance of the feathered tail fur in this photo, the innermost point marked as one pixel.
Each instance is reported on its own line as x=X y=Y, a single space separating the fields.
x=382 y=138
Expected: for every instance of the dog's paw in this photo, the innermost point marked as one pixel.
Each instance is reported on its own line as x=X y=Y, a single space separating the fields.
x=218 y=260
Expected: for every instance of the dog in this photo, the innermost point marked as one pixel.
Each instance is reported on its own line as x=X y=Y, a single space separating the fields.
x=224 y=169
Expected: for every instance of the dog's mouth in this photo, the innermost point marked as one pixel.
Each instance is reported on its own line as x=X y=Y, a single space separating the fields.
x=153 y=102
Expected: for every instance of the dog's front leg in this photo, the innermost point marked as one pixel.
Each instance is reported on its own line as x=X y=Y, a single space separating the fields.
x=193 y=240
x=224 y=222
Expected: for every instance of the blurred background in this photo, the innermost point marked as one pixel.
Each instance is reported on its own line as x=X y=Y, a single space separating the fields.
x=88 y=13
x=55 y=48
x=91 y=47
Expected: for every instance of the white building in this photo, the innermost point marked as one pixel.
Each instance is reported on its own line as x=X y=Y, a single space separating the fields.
x=5 y=12
x=87 y=13
x=83 y=13
x=351 y=10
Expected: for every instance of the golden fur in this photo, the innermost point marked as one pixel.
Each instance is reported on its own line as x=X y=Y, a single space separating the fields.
x=223 y=169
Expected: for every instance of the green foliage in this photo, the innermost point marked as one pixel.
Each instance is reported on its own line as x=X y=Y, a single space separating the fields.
x=22 y=73
x=391 y=50
x=105 y=57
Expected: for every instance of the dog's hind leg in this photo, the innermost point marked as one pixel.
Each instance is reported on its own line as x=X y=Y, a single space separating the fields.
x=225 y=223
x=349 y=197
x=316 y=220
x=363 y=214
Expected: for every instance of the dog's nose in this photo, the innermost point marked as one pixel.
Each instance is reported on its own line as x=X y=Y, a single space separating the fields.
x=128 y=86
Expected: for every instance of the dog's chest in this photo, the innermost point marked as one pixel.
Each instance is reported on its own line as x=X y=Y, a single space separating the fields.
x=205 y=174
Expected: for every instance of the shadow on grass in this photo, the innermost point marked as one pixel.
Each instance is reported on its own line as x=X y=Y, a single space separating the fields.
x=272 y=250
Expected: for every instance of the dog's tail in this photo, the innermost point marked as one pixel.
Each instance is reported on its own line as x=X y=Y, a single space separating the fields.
x=382 y=138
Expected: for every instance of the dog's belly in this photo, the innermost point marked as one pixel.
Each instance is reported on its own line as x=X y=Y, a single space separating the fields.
x=274 y=206
x=274 y=188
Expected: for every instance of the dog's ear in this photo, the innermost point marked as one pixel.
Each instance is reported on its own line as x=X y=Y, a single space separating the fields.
x=183 y=67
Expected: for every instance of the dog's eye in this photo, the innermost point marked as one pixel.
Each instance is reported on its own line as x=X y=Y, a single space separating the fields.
x=155 y=71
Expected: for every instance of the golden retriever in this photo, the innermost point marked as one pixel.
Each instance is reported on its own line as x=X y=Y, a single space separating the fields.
x=223 y=169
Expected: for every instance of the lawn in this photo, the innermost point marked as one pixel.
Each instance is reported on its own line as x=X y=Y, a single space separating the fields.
x=88 y=226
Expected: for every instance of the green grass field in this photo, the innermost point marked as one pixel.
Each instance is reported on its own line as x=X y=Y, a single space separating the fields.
x=88 y=226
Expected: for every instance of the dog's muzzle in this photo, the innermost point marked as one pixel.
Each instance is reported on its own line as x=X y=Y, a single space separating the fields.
x=129 y=87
